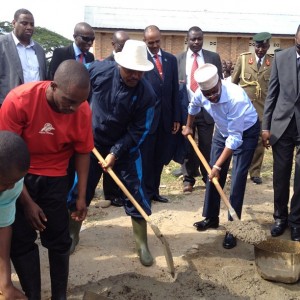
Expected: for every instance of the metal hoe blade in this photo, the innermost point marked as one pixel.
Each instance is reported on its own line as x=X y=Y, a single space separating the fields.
x=166 y=247
x=248 y=232
x=215 y=180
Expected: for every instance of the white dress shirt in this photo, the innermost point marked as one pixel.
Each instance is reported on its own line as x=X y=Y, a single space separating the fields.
x=189 y=64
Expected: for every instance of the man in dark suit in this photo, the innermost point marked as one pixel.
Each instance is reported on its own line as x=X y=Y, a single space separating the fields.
x=84 y=37
x=21 y=59
x=118 y=40
x=110 y=189
x=157 y=149
x=204 y=123
x=281 y=130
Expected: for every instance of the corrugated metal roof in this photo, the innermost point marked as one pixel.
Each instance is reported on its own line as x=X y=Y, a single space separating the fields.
x=181 y=20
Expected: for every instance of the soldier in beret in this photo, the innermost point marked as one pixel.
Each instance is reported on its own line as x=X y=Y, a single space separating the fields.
x=252 y=72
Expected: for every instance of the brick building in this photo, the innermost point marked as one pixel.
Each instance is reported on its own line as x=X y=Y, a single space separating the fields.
x=229 y=34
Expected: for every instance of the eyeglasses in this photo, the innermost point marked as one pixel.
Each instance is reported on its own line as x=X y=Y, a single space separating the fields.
x=87 y=38
x=212 y=95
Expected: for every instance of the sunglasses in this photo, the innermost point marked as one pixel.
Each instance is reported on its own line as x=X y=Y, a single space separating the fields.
x=213 y=94
x=87 y=38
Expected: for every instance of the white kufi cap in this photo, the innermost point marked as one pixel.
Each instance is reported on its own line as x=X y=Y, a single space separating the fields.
x=207 y=76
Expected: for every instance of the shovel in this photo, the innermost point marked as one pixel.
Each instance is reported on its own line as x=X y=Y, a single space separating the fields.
x=247 y=231
x=166 y=247
x=214 y=180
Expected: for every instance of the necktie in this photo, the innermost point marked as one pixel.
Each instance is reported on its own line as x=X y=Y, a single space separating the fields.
x=298 y=73
x=81 y=56
x=259 y=64
x=194 y=84
x=158 y=65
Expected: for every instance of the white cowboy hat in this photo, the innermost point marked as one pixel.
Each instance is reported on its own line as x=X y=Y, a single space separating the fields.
x=134 y=56
x=207 y=76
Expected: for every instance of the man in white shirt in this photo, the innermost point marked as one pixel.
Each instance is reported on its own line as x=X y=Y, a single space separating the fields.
x=21 y=59
x=236 y=134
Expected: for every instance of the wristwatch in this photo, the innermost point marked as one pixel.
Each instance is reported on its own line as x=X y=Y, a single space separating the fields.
x=116 y=157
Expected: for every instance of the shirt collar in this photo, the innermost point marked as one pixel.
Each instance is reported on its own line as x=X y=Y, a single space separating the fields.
x=190 y=53
x=76 y=50
x=152 y=55
x=257 y=59
x=17 y=42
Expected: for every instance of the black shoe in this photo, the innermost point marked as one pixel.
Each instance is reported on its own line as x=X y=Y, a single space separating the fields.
x=187 y=188
x=256 y=180
x=207 y=223
x=159 y=198
x=278 y=228
x=229 y=241
x=295 y=234
x=119 y=201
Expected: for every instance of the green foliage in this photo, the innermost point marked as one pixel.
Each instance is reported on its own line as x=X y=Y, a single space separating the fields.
x=49 y=40
x=5 y=27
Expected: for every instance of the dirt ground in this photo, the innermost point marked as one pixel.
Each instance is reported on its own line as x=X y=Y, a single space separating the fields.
x=105 y=261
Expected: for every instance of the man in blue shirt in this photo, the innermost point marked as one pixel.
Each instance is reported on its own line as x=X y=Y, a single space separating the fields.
x=14 y=164
x=236 y=134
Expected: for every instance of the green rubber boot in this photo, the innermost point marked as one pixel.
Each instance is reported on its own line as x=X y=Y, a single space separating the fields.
x=140 y=234
x=74 y=229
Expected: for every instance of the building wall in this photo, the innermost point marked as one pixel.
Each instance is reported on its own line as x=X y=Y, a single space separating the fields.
x=228 y=47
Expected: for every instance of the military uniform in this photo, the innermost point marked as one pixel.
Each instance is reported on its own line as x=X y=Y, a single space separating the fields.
x=255 y=83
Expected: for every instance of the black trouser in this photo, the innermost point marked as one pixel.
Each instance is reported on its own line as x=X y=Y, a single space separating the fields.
x=283 y=155
x=191 y=164
x=50 y=194
x=129 y=170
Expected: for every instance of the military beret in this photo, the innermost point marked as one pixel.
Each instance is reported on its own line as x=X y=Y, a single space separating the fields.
x=262 y=37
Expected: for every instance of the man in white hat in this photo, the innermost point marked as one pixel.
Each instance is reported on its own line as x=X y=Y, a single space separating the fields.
x=122 y=103
x=236 y=135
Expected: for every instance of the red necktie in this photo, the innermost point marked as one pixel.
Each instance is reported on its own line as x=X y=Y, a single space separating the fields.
x=194 y=84
x=158 y=65
x=81 y=56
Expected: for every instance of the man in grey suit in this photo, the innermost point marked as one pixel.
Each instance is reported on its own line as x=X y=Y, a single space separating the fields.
x=204 y=123
x=281 y=130
x=21 y=59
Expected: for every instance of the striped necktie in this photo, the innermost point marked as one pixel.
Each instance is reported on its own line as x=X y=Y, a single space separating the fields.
x=194 y=84
x=259 y=64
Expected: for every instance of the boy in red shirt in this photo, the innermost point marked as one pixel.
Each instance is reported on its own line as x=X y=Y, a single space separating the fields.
x=55 y=121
